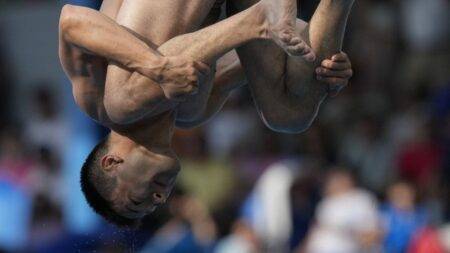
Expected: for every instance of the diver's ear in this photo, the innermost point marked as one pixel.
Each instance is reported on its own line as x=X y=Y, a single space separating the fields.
x=109 y=162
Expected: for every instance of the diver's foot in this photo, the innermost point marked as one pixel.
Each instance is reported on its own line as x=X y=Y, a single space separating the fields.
x=281 y=17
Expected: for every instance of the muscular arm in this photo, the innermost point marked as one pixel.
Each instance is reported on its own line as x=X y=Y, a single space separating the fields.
x=87 y=71
x=88 y=41
x=88 y=35
x=97 y=34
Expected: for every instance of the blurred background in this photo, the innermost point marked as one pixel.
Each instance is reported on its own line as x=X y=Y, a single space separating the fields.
x=371 y=174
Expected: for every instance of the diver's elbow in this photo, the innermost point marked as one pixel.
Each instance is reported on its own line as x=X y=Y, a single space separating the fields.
x=120 y=111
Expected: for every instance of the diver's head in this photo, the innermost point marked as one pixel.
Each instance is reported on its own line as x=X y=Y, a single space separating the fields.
x=123 y=181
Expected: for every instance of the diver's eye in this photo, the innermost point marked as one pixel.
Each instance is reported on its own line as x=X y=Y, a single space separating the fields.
x=135 y=202
x=160 y=183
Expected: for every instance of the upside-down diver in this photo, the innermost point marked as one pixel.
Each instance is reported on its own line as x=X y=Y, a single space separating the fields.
x=143 y=67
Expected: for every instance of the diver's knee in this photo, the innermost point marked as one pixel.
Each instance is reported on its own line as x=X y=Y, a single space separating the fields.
x=290 y=124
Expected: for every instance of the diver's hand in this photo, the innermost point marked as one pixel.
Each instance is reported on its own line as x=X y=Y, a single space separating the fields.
x=336 y=72
x=178 y=76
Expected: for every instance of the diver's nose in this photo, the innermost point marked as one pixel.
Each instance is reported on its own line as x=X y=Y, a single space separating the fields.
x=159 y=198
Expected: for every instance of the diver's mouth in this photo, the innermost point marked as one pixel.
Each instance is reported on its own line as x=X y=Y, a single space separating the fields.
x=133 y=214
x=135 y=202
x=132 y=210
x=165 y=181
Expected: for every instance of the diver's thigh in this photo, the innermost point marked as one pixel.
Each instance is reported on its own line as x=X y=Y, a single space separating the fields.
x=111 y=7
x=161 y=20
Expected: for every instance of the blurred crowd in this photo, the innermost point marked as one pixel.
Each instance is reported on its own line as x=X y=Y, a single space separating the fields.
x=371 y=175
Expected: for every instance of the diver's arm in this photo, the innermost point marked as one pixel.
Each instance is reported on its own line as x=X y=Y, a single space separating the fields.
x=96 y=33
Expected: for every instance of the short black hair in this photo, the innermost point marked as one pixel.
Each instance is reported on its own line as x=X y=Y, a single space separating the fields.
x=94 y=181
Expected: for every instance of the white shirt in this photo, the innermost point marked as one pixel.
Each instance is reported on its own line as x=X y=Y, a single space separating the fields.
x=340 y=219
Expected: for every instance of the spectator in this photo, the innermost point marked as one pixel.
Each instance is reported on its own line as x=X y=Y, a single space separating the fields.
x=444 y=236
x=242 y=239
x=426 y=241
x=45 y=178
x=401 y=217
x=268 y=208
x=346 y=219
x=425 y=30
x=45 y=127
x=16 y=162
x=421 y=158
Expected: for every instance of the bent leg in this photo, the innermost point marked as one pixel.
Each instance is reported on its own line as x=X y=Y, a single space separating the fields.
x=286 y=92
x=206 y=45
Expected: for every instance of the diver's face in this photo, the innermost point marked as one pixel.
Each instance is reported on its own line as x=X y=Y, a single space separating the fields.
x=145 y=181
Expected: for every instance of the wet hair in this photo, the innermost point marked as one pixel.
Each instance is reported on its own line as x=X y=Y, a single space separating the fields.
x=96 y=184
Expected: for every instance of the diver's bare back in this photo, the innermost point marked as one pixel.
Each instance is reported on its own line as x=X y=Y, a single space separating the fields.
x=154 y=22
